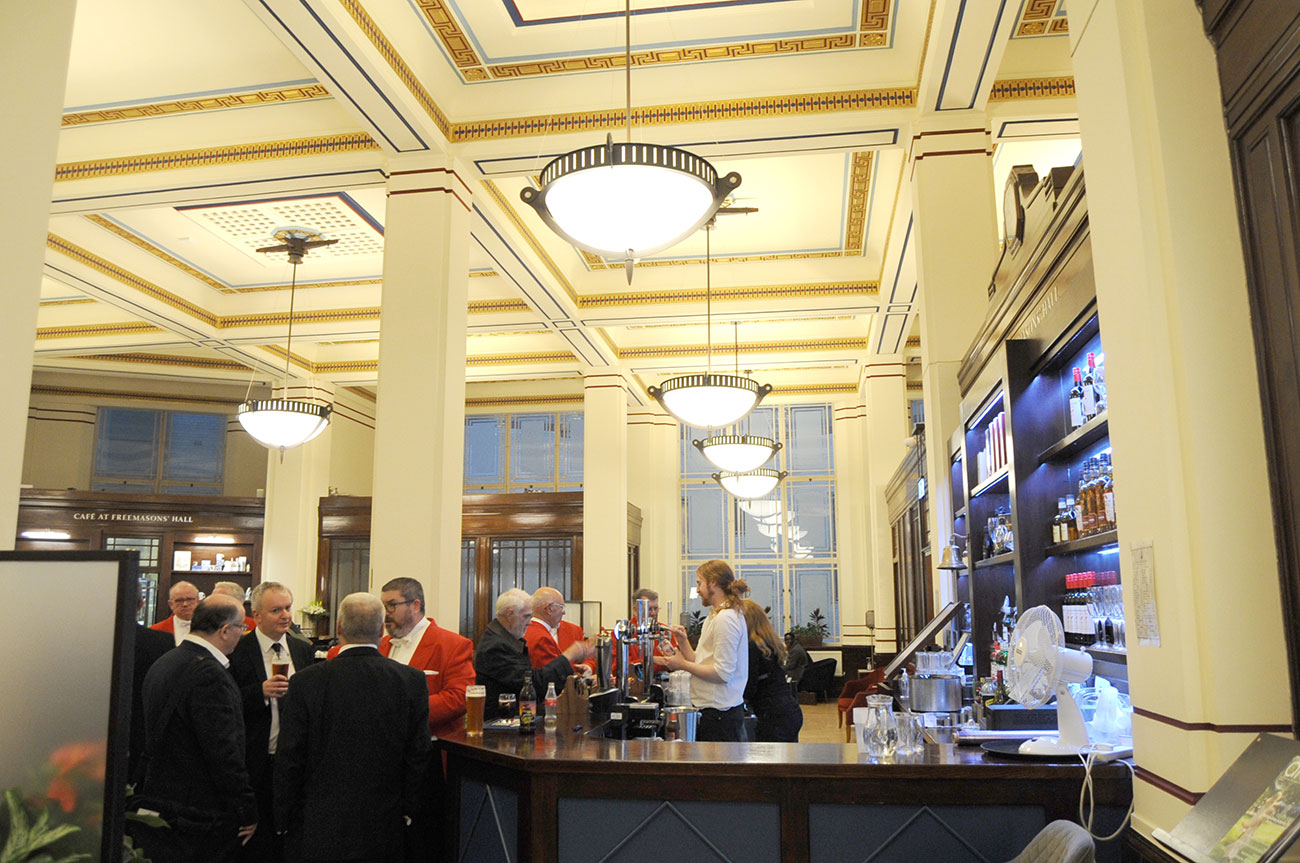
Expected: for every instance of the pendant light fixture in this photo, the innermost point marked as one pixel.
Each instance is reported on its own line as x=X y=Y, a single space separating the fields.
x=626 y=201
x=709 y=400
x=737 y=452
x=750 y=484
x=285 y=423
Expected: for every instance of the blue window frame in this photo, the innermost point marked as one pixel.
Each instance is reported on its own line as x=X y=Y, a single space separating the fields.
x=159 y=452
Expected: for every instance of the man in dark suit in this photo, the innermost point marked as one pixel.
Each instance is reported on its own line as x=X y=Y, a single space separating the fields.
x=195 y=742
x=354 y=746
x=150 y=645
x=501 y=657
x=261 y=692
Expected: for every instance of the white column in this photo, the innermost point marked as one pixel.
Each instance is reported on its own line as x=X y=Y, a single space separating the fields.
x=956 y=251
x=884 y=388
x=34 y=49
x=852 y=515
x=1191 y=476
x=295 y=483
x=604 y=494
x=420 y=415
x=654 y=485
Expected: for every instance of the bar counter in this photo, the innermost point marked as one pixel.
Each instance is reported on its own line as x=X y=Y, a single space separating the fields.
x=568 y=797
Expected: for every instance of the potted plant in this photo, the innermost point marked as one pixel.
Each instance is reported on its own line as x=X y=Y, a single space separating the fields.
x=312 y=613
x=812 y=633
x=694 y=626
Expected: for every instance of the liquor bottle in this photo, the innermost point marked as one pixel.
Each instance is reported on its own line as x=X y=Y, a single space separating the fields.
x=1108 y=491
x=1071 y=518
x=1087 y=505
x=1058 y=521
x=528 y=706
x=552 y=703
x=1089 y=391
x=1076 y=400
x=1099 y=383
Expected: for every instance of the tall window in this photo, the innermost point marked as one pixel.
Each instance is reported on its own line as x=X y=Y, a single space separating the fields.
x=784 y=545
x=159 y=452
x=523 y=452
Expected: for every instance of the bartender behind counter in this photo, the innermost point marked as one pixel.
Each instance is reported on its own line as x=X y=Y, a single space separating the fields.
x=719 y=665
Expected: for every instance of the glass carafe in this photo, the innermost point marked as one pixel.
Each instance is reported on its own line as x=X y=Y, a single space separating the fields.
x=881 y=731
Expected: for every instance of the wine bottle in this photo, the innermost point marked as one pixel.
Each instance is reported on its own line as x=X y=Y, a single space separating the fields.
x=1089 y=393
x=528 y=706
x=1076 y=400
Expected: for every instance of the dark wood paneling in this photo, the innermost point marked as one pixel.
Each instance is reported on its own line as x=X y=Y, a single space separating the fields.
x=1258 y=45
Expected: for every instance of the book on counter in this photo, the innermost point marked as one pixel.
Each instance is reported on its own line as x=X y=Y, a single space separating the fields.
x=1251 y=814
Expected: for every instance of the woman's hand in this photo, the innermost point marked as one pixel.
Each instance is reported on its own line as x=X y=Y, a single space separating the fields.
x=673 y=661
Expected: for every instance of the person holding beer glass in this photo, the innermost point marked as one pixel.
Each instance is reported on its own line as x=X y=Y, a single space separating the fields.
x=719 y=664
x=261 y=664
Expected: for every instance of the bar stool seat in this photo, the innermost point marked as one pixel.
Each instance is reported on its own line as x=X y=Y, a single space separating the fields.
x=1058 y=842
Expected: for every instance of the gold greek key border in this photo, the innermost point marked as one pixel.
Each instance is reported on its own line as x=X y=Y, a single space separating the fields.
x=1041 y=18
x=875 y=16
x=483 y=307
x=141 y=243
x=859 y=185
x=494 y=192
x=538 y=357
x=119 y=394
x=686 y=112
x=75 y=330
x=397 y=64
x=1013 y=89
x=345 y=366
x=666 y=351
x=95 y=262
x=265 y=150
x=508 y=401
x=765 y=292
x=223 y=101
x=322 y=316
x=912 y=342
x=444 y=24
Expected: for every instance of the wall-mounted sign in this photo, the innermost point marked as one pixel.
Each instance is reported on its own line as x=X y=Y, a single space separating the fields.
x=134 y=517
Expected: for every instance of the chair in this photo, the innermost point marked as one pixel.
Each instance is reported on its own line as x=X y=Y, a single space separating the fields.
x=819 y=678
x=1058 y=842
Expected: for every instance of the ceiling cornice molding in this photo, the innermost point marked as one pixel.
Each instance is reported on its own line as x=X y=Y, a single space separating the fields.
x=165 y=360
x=508 y=359
x=814 y=389
x=686 y=112
x=319 y=145
x=757 y=292
x=859 y=187
x=514 y=401
x=484 y=307
x=595 y=262
x=215 y=102
x=1015 y=89
x=775 y=347
x=399 y=66
x=141 y=243
x=85 y=392
x=90 y=330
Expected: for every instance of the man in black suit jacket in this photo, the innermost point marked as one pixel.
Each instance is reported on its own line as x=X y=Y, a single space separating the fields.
x=261 y=693
x=354 y=746
x=501 y=656
x=150 y=645
x=195 y=742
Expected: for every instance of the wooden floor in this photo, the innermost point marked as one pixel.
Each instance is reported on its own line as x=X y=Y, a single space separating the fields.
x=820 y=723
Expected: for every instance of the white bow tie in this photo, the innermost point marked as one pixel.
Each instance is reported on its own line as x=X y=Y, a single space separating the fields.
x=400 y=642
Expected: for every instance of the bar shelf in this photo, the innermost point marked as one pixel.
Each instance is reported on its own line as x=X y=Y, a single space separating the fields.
x=1087 y=543
x=1090 y=432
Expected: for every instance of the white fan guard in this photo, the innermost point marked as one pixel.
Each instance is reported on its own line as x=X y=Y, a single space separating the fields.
x=1039 y=660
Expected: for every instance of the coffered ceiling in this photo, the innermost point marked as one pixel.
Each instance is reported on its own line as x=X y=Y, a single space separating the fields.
x=193 y=131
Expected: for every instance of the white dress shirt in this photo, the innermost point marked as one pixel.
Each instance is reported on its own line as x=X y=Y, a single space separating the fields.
x=722 y=644
x=181 y=628
x=553 y=630
x=210 y=648
x=269 y=655
x=403 y=649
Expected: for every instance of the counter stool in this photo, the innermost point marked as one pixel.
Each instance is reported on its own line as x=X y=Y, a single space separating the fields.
x=1058 y=842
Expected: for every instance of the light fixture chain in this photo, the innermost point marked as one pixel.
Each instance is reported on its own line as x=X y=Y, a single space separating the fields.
x=708 y=295
x=627 y=62
x=288 y=342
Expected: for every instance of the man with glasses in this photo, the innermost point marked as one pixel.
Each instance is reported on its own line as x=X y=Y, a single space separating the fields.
x=548 y=633
x=445 y=657
x=182 y=599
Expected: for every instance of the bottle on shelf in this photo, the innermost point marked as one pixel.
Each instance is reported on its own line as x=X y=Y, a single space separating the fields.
x=1059 y=533
x=552 y=703
x=1076 y=400
x=1099 y=382
x=1087 y=502
x=1089 y=389
x=1107 y=492
x=528 y=706
x=1071 y=518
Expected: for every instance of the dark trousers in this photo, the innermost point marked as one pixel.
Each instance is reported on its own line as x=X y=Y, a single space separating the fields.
x=264 y=846
x=721 y=725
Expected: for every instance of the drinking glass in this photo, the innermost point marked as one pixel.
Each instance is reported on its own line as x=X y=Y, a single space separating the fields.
x=475 y=697
x=506 y=705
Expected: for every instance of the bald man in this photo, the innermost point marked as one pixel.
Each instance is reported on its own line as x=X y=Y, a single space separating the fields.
x=548 y=633
x=182 y=599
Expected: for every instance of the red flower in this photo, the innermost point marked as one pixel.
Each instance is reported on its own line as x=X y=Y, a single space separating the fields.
x=74 y=761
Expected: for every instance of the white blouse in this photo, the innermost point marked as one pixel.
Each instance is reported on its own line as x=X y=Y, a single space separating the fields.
x=722 y=643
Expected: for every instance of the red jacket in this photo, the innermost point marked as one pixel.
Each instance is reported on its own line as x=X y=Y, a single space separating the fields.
x=166 y=625
x=543 y=649
x=447 y=660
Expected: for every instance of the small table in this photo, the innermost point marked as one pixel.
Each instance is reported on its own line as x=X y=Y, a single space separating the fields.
x=854 y=658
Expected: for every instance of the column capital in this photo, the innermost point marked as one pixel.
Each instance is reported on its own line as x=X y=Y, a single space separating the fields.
x=963 y=134
x=429 y=175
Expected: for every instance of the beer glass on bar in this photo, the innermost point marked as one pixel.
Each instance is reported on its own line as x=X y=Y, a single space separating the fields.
x=475 y=697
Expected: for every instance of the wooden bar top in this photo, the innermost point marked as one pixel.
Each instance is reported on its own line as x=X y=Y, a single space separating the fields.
x=569 y=752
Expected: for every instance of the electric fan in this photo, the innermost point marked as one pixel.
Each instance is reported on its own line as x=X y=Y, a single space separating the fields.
x=1040 y=665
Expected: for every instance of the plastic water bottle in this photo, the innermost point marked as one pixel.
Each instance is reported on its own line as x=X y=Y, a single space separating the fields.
x=905 y=691
x=552 y=705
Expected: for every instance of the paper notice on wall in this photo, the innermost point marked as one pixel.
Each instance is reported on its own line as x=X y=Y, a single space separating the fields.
x=1143 y=581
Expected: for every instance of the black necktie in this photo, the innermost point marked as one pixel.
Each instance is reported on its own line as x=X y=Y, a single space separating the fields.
x=276 y=648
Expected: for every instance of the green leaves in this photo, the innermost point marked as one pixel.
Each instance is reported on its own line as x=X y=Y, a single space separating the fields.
x=25 y=838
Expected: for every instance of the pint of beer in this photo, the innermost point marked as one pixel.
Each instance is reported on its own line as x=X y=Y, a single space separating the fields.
x=475 y=696
x=280 y=668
